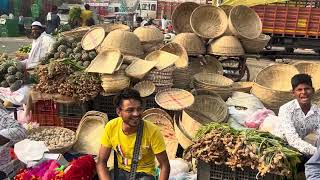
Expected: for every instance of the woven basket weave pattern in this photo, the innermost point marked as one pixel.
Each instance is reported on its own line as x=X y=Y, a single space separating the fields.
x=181 y=17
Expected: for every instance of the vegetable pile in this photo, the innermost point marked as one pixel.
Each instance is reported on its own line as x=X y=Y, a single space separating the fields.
x=220 y=144
x=12 y=74
x=69 y=48
x=25 y=49
x=53 y=137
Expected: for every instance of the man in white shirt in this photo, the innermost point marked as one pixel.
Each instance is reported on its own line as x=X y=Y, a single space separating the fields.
x=41 y=44
x=300 y=117
x=164 y=22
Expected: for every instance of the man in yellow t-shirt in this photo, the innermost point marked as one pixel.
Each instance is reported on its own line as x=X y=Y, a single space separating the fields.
x=86 y=15
x=120 y=135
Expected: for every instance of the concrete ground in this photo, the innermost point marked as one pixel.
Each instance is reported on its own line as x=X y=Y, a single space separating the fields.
x=12 y=44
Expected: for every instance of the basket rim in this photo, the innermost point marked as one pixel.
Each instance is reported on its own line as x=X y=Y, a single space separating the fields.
x=182 y=106
x=176 y=12
x=227 y=80
x=149 y=89
x=93 y=31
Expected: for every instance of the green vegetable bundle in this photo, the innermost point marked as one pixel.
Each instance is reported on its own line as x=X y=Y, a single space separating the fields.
x=220 y=144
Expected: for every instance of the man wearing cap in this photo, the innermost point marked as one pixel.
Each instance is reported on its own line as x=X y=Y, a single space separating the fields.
x=42 y=43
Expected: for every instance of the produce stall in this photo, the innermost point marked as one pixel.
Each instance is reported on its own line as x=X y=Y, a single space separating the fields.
x=201 y=112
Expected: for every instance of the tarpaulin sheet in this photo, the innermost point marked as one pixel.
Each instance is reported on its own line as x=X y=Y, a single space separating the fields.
x=249 y=2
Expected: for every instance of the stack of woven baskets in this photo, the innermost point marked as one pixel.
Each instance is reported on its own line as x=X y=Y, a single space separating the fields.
x=162 y=79
x=150 y=38
x=273 y=85
x=231 y=35
x=113 y=83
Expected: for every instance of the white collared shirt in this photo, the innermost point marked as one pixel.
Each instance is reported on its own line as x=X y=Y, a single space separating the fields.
x=40 y=47
x=296 y=125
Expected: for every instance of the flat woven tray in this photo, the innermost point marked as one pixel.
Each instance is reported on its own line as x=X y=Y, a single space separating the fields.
x=174 y=99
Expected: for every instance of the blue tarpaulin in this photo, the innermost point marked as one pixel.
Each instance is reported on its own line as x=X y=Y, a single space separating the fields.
x=4 y=6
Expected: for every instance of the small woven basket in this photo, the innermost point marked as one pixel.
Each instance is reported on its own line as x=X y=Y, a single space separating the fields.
x=127 y=42
x=114 y=83
x=255 y=45
x=212 y=80
x=174 y=99
x=177 y=49
x=226 y=46
x=139 y=68
x=145 y=88
x=191 y=42
x=244 y=22
x=208 y=21
x=181 y=17
x=149 y=35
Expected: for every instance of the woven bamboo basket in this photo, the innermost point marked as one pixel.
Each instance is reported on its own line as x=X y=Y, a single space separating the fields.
x=183 y=138
x=191 y=42
x=226 y=46
x=224 y=93
x=130 y=59
x=212 y=80
x=145 y=88
x=255 y=45
x=76 y=33
x=139 y=68
x=207 y=64
x=208 y=21
x=158 y=111
x=174 y=99
x=213 y=108
x=167 y=131
x=181 y=17
x=60 y=150
x=163 y=59
x=90 y=127
x=107 y=61
x=242 y=86
x=150 y=47
x=177 y=49
x=208 y=92
x=149 y=35
x=277 y=77
x=114 y=83
x=272 y=99
x=181 y=78
x=93 y=38
x=244 y=22
x=312 y=69
x=192 y=122
x=127 y=42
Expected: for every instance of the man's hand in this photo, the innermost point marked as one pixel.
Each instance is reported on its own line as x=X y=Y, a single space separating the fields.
x=3 y=140
x=164 y=165
x=103 y=157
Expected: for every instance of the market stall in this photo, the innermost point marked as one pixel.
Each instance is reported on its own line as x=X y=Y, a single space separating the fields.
x=216 y=121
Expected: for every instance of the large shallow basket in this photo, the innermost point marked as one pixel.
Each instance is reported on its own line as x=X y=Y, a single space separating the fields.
x=192 y=122
x=174 y=99
x=277 y=77
x=90 y=127
x=226 y=46
x=145 y=88
x=149 y=35
x=181 y=17
x=313 y=69
x=60 y=150
x=93 y=38
x=208 y=21
x=191 y=42
x=163 y=58
x=255 y=45
x=183 y=138
x=213 y=108
x=127 y=42
x=244 y=22
x=242 y=86
x=139 y=68
x=177 y=49
x=212 y=80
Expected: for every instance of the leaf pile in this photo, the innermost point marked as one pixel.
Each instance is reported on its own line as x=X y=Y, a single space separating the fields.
x=220 y=144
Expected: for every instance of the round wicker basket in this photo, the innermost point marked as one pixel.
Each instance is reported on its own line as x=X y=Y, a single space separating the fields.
x=312 y=69
x=226 y=46
x=93 y=38
x=213 y=108
x=244 y=22
x=163 y=58
x=192 y=122
x=145 y=88
x=255 y=45
x=183 y=138
x=208 y=21
x=212 y=80
x=208 y=92
x=127 y=42
x=149 y=35
x=277 y=77
x=158 y=111
x=114 y=83
x=174 y=99
x=181 y=17
x=242 y=86
x=177 y=49
x=191 y=42
x=139 y=68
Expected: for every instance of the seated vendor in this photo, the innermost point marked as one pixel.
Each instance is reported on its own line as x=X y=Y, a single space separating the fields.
x=120 y=135
x=10 y=132
x=300 y=117
x=41 y=44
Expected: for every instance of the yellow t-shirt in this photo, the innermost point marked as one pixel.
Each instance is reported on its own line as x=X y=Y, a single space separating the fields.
x=152 y=143
x=85 y=15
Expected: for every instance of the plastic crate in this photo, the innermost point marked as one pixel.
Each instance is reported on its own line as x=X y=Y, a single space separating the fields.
x=75 y=109
x=70 y=122
x=44 y=107
x=45 y=119
x=223 y=172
